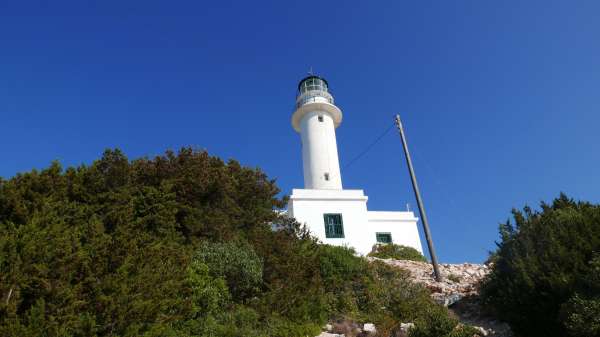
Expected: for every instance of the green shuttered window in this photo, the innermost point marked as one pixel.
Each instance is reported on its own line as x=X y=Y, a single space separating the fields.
x=334 y=227
x=383 y=237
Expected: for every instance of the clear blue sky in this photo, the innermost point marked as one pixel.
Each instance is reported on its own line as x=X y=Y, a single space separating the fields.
x=501 y=100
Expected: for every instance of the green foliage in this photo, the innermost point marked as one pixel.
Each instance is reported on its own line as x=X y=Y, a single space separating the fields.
x=178 y=245
x=291 y=275
x=544 y=279
x=107 y=249
x=236 y=263
x=582 y=316
x=435 y=322
x=348 y=281
x=464 y=331
x=397 y=252
x=208 y=294
x=377 y=292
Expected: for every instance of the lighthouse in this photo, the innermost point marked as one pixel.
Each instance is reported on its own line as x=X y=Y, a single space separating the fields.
x=316 y=117
x=335 y=215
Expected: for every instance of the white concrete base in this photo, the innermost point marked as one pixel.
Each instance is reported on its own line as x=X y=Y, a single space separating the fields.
x=360 y=226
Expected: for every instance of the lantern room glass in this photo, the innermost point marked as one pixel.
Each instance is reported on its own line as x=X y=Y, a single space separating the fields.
x=313 y=84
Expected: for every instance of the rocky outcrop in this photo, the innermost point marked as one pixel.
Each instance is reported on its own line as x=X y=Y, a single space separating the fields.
x=460 y=280
x=327 y=334
x=459 y=291
x=347 y=328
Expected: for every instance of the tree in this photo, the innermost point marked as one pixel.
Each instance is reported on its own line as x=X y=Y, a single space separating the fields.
x=178 y=245
x=542 y=262
x=106 y=249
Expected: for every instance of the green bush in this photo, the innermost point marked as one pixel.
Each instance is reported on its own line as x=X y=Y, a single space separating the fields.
x=347 y=280
x=107 y=249
x=236 y=263
x=544 y=279
x=435 y=322
x=397 y=252
x=177 y=245
x=379 y=293
x=581 y=314
x=208 y=294
x=403 y=300
x=292 y=279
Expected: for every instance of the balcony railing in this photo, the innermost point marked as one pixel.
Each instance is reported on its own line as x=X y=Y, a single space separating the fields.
x=313 y=96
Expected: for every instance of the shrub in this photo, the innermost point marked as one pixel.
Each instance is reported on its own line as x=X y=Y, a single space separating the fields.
x=581 y=314
x=177 y=245
x=106 y=249
x=346 y=278
x=292 y=279
x=208 y=295
x=435 y=322
x=236 y=263
x=397 y=252
x=544 y=266
x=403 y=300
x=374 y=292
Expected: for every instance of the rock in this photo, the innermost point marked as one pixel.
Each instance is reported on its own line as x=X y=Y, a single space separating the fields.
x=369 y=327
x=460 y=294
x=470 y=312
x=483 y=331
x=466 y=277
x=346 y=327
x=328 y=327
x=404 y=327
x=327 y=334
x=448 y=300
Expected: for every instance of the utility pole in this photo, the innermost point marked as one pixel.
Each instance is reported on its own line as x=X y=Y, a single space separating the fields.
x=436 y=270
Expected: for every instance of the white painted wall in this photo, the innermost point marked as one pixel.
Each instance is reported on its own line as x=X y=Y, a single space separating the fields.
x=402 y=226
x=308 y=207
x=316 y=118
x=360 y=225
x=319 y=151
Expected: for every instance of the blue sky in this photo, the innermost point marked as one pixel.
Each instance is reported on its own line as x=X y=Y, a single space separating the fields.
x=500 y=100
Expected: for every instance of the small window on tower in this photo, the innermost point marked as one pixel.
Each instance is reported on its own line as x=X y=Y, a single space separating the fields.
x=321 y=119
x=326 y=176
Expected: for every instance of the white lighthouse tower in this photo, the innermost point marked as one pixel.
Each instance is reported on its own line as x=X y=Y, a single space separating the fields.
x=316 y=118
x=334 y=215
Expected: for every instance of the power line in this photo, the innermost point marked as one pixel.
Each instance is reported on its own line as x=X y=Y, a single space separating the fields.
x=368 y=148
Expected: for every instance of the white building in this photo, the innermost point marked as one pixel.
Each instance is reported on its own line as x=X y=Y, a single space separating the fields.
x=334 y=215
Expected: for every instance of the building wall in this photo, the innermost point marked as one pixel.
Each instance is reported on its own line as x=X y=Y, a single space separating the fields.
x=401 y=225
x=308 y=207
x=360 y=225
x=319 y=151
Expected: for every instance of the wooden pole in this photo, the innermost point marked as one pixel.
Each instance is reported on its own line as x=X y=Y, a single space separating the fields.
x=434 y=262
